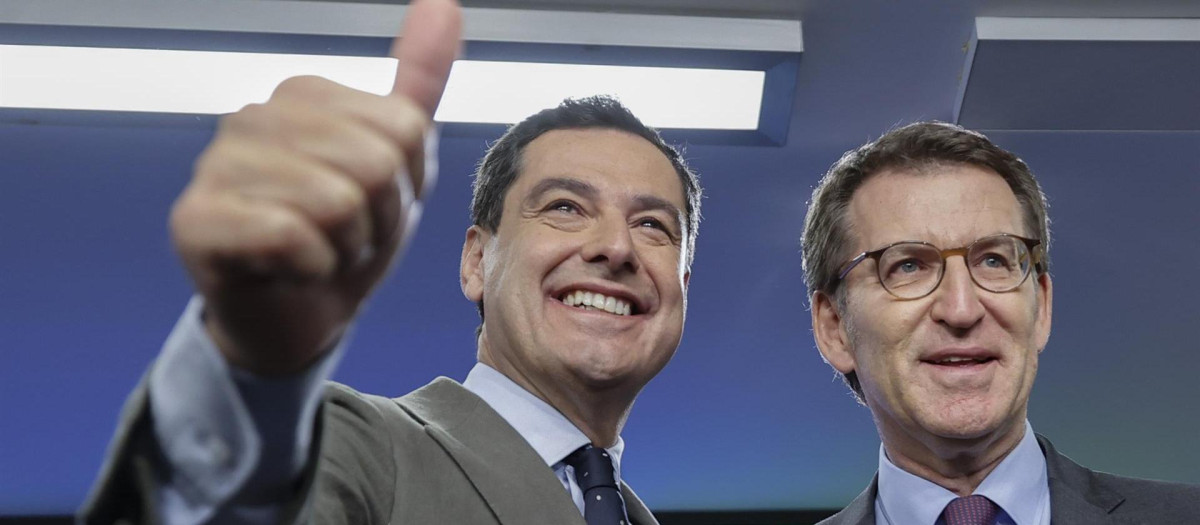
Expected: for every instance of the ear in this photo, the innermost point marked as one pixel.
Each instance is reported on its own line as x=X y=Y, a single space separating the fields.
x=1045 y=299
x=830 y=333
x=470 y=267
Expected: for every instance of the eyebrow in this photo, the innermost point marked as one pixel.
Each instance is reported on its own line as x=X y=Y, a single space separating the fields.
x=545 y=186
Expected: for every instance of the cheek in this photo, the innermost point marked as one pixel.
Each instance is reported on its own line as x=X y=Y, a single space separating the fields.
x=506 y=281
x=1016 y=313
x=667 y=272
x=1029 y=370
x=880 y=337
x=518 y=258
x=886 y=328
x=663 y=259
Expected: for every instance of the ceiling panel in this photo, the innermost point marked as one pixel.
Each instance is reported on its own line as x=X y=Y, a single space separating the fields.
x=1083 y=74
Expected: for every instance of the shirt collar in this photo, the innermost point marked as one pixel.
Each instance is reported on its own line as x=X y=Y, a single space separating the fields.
x=1018 y=485
x=907 y=498
x=551 y=434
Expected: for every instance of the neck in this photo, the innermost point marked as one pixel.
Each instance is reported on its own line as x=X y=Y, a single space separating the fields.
x=601 y=420
x=599 y=413
x=958 y=465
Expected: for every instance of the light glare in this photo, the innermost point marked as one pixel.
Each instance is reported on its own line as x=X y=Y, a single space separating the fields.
x=661 y=97
x=210 y=82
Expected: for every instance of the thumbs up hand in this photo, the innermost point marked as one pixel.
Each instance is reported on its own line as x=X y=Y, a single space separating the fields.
x=297 y=207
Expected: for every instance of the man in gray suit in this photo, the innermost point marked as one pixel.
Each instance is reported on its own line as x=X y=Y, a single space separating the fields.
x=584 y=228
x=926 y=254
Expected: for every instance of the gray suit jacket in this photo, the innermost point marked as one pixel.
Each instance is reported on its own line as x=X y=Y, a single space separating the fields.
x=1079 y=496
x=437 y=455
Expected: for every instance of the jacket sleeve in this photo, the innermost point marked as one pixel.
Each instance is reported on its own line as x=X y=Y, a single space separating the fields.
x=199 y=441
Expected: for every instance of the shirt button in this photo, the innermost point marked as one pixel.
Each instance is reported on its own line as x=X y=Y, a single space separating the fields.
x=220 y=452
x=214 y=447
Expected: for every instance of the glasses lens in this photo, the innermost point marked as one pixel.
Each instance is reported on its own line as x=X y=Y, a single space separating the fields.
x=910 y=270
x=999 y=263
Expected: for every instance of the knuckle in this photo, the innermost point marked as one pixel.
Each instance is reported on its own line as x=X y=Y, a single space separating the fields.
x=380 y=163
x=341 y=202
x=243 y=118
x=414 y=115
x=406 y=122
x=282 y=236
x=211 y=161
x=221 y=165
x=307 y=87
x=184 y=216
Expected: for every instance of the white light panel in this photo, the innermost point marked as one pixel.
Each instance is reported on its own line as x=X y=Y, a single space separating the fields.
x=206 y=82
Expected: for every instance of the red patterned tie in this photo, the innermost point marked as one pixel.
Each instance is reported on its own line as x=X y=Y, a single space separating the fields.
x=971 y=510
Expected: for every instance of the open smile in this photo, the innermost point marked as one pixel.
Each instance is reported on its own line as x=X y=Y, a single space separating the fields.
x=953 y=365
x=960 y=362
x=595 y=301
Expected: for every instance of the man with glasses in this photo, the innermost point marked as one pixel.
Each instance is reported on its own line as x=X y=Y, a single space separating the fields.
x=926 y=256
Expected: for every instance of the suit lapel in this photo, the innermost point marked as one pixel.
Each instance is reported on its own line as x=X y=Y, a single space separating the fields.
x=638 y=513
x=1076 y=495
x=506 y=472
x=861 y=511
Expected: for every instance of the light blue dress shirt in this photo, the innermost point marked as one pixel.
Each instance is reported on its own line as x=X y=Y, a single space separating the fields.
x=211 y=421
x=550 y=433
x=1019 y=485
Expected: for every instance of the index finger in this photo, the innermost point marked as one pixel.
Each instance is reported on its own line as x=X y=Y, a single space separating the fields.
x=426 y=49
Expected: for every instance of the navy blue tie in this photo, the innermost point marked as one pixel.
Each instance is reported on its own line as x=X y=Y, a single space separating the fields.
x=602 y=502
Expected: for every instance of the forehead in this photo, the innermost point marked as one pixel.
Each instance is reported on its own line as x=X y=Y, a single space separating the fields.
x=615 y=162
x=949 y=206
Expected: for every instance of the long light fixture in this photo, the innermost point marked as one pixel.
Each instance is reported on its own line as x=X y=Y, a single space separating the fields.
x=204 y=82
x=736 y=68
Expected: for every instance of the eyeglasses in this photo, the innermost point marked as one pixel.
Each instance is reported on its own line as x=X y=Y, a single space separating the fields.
x=914 y=269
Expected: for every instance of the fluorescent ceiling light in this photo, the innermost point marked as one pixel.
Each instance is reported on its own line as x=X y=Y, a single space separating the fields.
x=506 y=92
x=205 y=82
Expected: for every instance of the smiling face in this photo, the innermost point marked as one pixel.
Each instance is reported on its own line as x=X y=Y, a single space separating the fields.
x=955 y=366
x=594 y=212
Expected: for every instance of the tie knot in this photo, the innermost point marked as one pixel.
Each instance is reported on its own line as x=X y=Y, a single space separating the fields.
x=971 y=510
x=593 y=468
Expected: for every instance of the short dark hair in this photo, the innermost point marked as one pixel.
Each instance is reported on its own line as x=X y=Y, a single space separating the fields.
x=913 y=148
x=502 y=163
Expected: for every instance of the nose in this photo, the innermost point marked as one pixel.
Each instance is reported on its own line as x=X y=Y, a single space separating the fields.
x=956 y=301
x=610 y=243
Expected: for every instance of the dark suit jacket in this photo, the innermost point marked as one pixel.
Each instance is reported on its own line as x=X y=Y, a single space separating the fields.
x=1079 y=496
x=437 y=455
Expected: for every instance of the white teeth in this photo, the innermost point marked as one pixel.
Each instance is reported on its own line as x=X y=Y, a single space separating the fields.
x=592 y=300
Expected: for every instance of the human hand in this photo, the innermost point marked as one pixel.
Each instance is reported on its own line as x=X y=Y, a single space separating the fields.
x=298 y=206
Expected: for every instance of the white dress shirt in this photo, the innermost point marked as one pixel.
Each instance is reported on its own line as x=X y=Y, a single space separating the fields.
x=1019 y=485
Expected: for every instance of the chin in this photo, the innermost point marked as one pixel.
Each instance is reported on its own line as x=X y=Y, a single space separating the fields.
x=629 y=379
x=600 y=366
x=605 y=379
x=964 y=421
